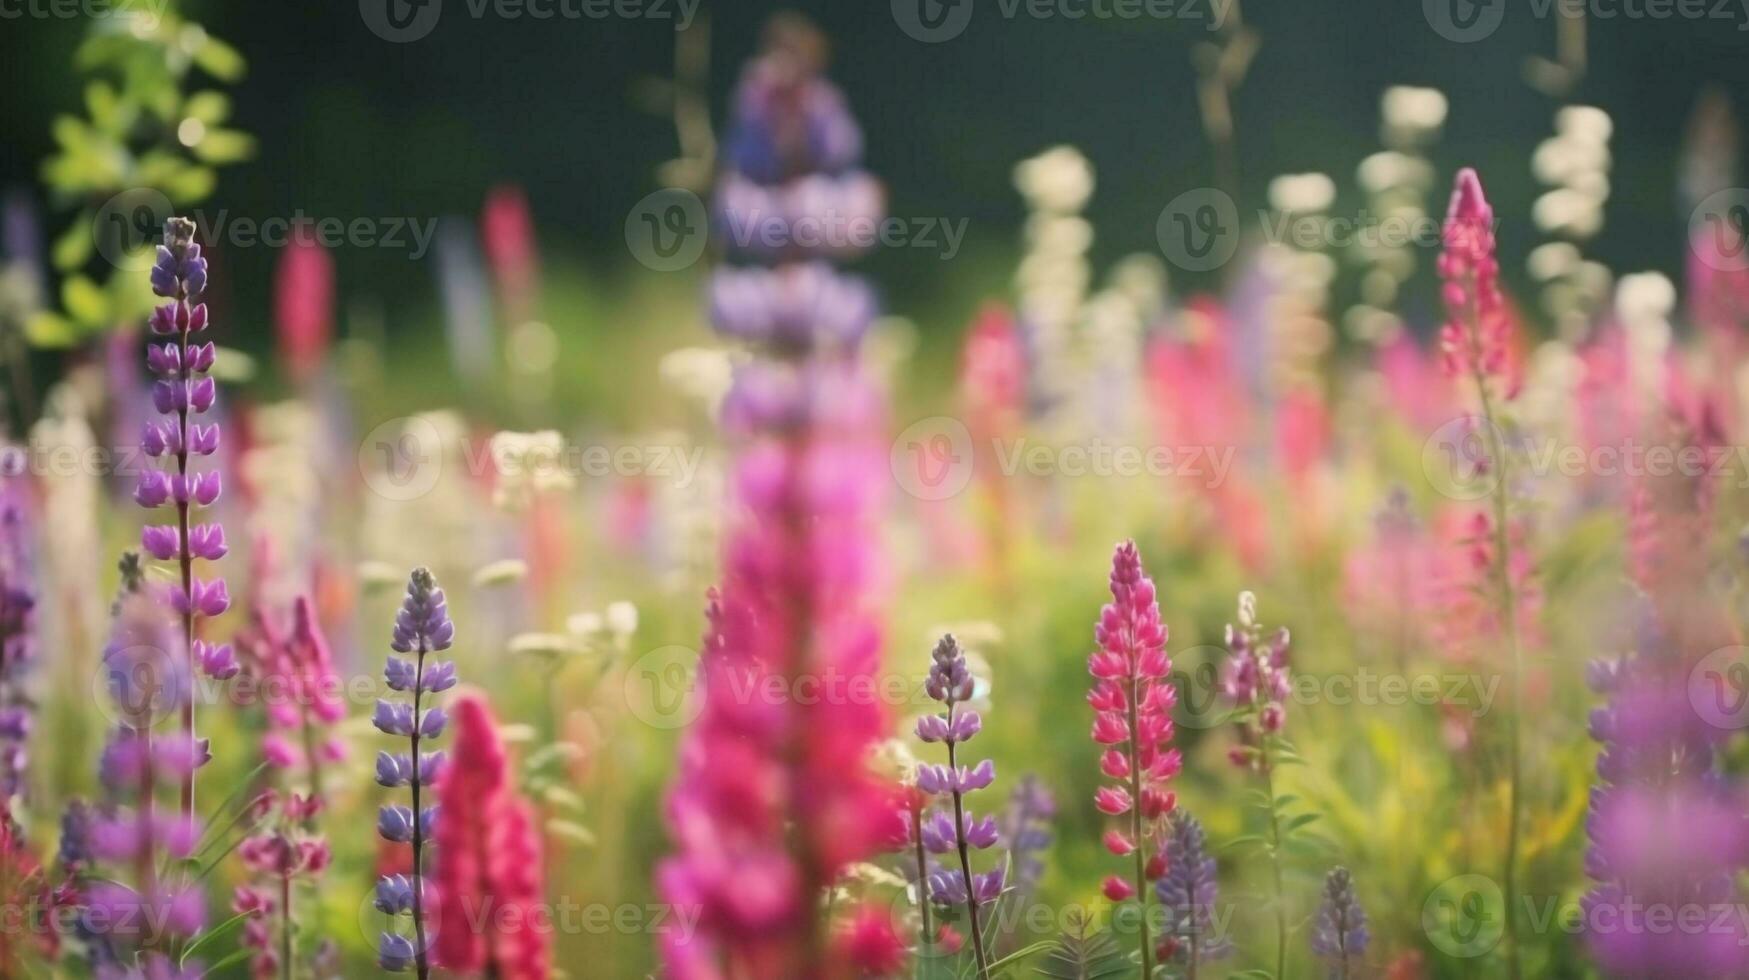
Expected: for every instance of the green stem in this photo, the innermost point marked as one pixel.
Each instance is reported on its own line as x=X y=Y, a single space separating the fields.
x=1509 y=615
x=1136 y=824
x=922 y=878
x=959 y=833
x=1275 y=862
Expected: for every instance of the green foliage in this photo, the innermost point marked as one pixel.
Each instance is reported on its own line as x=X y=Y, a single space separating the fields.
x=144 y=146
x=1082 y=954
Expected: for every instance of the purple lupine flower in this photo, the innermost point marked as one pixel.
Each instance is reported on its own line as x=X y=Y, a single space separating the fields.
x=422 y=627
x=1339 y=933
x=1665 y=834
x=182 y=394
x=1026 y=826
x=133 y=908
x=1188 y=892
x=17 y=642
x=950 y=682
x=1255 y=679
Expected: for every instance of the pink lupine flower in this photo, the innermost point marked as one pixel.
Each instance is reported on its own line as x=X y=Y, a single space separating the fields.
x=1133 y=700
x=774 y=795
x=872 y=945
x=303 y=304
x=488 y=860
x=1475 y=339
x=507 y=235
x=300 y=691
x=281 y=859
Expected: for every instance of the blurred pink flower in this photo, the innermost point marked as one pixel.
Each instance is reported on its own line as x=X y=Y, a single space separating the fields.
x=303 y=304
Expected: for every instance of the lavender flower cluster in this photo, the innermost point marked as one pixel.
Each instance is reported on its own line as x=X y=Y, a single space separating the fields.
x=1189 y=892
x=950 y=682
x=422 y=627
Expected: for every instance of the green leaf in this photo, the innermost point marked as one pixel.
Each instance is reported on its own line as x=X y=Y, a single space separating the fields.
x=209 y=106
x=222 y=146
x=572 y=831
x=219 y=60
x=192 y=184
x=103 y=105
x=73 y=246
x=84 y=301
x=45 y=329
x=212 y=936
x=229 y=961
x=1085 y=955
x=1022 y=953
x=561 y=797
x=1297 y=822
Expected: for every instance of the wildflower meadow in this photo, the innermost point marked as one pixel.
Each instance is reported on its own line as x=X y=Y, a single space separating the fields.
x=1083 y=489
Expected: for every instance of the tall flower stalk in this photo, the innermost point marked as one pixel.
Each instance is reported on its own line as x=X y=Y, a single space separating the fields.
x=1255 y=679
x=488 y=860
x=183 y=391
x=1133 y=703
x=950 y=682
x=423 y=627
x=17 y=645
x=774 y=796
x=1339 y=932
x=141 y=921
x=1474 y=342
x=1188 y=892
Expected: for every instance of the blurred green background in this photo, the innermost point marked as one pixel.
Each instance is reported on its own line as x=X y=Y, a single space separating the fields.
x=352 y=125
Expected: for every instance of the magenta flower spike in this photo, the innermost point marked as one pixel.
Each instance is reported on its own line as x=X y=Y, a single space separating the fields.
x=774 y=796
x=1133 y=700
x=1474 y=338
x=183 y=393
